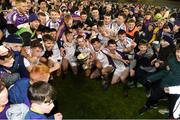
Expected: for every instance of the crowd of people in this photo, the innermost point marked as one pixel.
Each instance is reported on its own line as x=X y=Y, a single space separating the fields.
x=132 y=44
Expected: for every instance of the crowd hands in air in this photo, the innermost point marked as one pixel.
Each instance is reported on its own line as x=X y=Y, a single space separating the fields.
x=131 y=44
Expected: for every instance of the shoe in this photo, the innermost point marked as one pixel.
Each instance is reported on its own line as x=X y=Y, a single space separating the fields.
x=155 y=106
x=143 y=109
x=164 y=99
x=163 y=111
x=148 y=93
x=139 y=85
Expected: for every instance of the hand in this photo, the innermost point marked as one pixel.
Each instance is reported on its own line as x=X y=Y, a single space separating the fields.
x=58 y=116
x=157 y=64
x=33 y=59
x=24 y=52
x=166 y=90
x=125 y=62
x=133 y=44
x=62 y=52
x=153 y=61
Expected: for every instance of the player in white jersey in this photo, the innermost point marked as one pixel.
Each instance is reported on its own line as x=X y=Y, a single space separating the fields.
x=85 y=54
x=121 y=22
x=51 y=53
x=104 y=64
x=127 y=45
x=121 y=63
x=110 y=26
x=68 y=53
x=34 y=55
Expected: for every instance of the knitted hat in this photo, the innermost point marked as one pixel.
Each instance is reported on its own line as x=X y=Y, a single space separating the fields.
x=168 y=38
x=33 y=17
x=13 y=38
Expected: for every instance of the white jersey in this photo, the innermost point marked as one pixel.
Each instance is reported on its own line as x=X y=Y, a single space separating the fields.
x=70 y=49
x=102 y=58
x=86 y=49
x=121 y=27
x=77 y=12
x=125 y=44
x=102 y=39
x=56 y=57
x=110 y=26
x=118 y=64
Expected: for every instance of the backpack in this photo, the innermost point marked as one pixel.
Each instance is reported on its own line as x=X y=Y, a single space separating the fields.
x=17 y=112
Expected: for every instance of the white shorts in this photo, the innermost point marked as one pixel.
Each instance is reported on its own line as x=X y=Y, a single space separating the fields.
x=73 y=63
x=119 y=71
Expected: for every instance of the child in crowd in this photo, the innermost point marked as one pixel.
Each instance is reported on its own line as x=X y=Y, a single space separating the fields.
x=41 y=95
x=132 y=30
x=144 y=58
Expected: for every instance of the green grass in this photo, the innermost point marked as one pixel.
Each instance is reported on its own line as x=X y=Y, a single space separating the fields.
x=80 y=97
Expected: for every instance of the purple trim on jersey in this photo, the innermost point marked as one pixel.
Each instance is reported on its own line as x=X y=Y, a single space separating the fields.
x=110 y=60
x=19 y=19
x=9 y=17
x=64 y=27
x=147 y=23
x=50 y=22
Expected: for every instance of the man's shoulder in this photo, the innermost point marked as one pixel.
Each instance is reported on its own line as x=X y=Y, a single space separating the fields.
x=22 y=81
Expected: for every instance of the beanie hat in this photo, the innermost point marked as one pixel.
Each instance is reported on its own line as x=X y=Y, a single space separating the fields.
x=167 y=38
x=33 y=17
x=13 y=38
